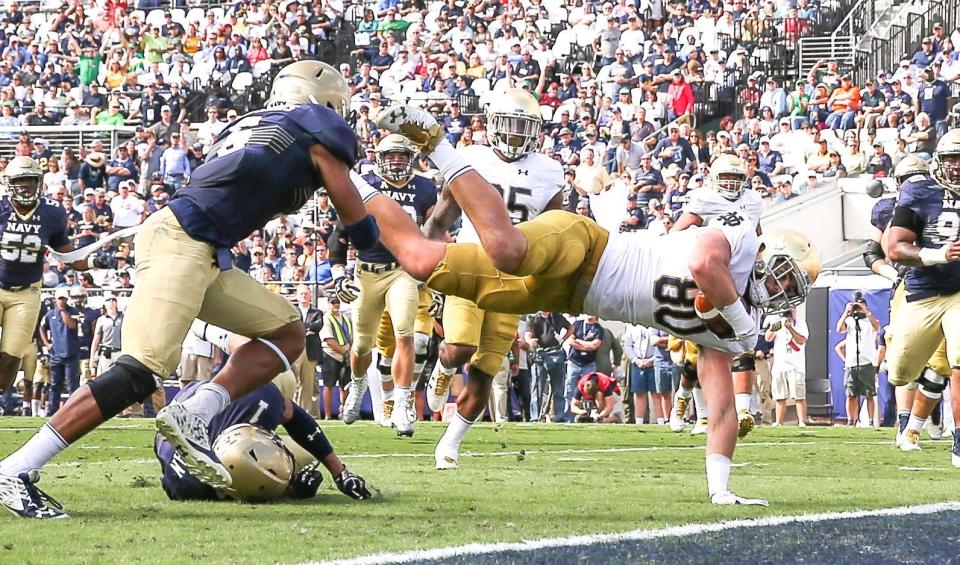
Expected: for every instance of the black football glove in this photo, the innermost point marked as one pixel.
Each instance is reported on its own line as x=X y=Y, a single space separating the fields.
x=101 y=262
x=305 y=483
x=352 y=485
x=347 y=290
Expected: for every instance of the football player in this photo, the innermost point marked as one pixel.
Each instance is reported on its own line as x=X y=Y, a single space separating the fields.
x=727 y=193
x=266 y=163
x=565 y=262
x=243 y=437
x=28 y=224
x=925 y=235
x=530 y=183
x=380 y=285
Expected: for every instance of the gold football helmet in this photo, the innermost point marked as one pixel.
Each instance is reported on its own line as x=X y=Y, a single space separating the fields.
x=395 y=158
x=946 y=161
x=909 y=166
x=728 y=176
x=788 y=265
x=260 y=466
x=513 y=123
x=310 y=82
x=22 y=178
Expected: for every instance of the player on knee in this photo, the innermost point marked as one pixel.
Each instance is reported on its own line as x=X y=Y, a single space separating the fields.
x=266 y=163
x=262 y=468
x=728 y=184
x=923 y=235
x=530 y=184
x=380 y=285
x=705 y=285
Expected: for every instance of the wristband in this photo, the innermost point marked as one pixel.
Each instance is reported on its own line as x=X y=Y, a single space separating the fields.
x=90 y=262
x=450 y=163
x=933 y=256
x=739 y=319
x=364 y=234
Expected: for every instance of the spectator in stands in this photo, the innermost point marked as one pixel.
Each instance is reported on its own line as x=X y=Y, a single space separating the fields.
x=636 y=216
x=880 y=164
x=93 y=171
x=771 y=162
x=165 y=127
x=128 y=209
x=853 y=158
x=681 y=96
x=648 y=182
x=933 y=95
x=174 y=164
x=924 y=56
x=920 y=136
x=835 y=170
x=872 y=105
x=591 y=176
x=122 y=168
x=674 y=150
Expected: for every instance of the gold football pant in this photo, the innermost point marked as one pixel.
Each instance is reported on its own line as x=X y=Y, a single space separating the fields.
x=563 y=251
x=19 y=310
x=177 y=281
x=937 y=362
x=920 y=328
x=394 y=292
x=491 y=333
x=386 y=342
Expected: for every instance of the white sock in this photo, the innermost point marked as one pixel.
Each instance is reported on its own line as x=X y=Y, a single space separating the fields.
x=638 y=420
x=34 y=454
x=388 y=394
x=683 y=392
x=450 y=163
x=661 y=421
x=453 y=436
x=209 y=400
x=358 y=378
x=742 y=401
x=400 y=394
x=916 y=423
x=700 y=403
x=25 y=406
x=718 y=473
x=35 y=407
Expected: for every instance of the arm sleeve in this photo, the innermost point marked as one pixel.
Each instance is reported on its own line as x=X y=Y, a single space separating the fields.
x=304 y=430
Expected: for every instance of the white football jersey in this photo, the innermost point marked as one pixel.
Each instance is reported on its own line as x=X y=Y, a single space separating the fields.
x=527 y=184
x=709 y=204
x=644 y=278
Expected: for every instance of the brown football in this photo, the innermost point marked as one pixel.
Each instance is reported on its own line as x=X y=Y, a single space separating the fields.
x=711 y=316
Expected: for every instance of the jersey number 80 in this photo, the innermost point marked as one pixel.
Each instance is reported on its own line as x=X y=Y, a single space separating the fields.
x=675 y=311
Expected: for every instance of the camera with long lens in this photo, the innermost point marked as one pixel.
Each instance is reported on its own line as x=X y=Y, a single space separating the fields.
x=858 y=308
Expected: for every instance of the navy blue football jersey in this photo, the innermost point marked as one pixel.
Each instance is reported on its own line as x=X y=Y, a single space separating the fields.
x=262 y=408
x=416 y=198
x=23 y=240
x=882 y=213
x=258 y=168
x=939 y=210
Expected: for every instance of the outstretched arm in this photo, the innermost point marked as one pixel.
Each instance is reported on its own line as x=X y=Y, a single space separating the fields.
x=334 y=174
x=443 y=216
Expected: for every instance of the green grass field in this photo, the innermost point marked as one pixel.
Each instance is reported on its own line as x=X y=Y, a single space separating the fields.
x=522 y=482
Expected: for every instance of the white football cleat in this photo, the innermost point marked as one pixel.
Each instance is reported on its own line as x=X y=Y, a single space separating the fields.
x=438 y=389
x=934 y=431
x=746 y=423
x=910 y=441
x=387 y=413
x=189 y=435
x=700 y=428
x=21 y=497
x=403 y=418
x=955 y=453
x=448 y=458
x=679 y=412
x=729 y=499
x=351 y=406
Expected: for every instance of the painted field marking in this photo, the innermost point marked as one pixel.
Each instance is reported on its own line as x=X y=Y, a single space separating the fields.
x=635 y=535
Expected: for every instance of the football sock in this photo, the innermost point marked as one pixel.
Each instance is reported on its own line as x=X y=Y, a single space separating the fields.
x=700 y=403
x=34 y=454
x=400 y=395
x=638 y=420
x=684 y=392
x=661 y=421
x=358 y=378
x=458 y=428
x=35 y=407
x=209 y=400
x=388 y=394
x=25 y=407
x=916 y=424
x=903 y=416
x=742 y=401
x=718 y=473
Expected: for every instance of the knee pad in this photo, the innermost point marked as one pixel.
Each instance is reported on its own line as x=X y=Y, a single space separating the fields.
x=421 y=343
x=384 y=366
x=912 y=386
x=689 y=371
x=127 y=382
x=932 y=384
x=744 y=362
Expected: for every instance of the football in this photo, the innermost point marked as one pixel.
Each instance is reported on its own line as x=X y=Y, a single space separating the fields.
x=711 y=316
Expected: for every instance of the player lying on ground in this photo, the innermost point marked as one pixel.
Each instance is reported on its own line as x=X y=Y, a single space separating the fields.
x=924 y=234
x=567 y=263
x=267 y=163
x=243 y=437
x=30 y=224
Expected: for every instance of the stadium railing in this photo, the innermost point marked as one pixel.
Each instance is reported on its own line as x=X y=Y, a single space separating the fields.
x=74 y=137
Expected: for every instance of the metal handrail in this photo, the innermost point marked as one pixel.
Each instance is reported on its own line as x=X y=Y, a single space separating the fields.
x=846 y=25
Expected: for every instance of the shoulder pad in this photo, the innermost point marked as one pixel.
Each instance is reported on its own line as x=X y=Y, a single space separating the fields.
x=328 y=129
x=373 y=179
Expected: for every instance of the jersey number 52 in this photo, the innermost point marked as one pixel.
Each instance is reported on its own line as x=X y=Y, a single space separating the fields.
x=19 y=247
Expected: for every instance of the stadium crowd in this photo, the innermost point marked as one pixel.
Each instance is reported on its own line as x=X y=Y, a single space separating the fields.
x=623 y=121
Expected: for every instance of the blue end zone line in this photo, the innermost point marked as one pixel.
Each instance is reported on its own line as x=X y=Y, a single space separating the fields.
x=635 y=535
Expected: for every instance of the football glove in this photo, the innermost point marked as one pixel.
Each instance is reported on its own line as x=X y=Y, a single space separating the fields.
x=436 y=304
x=417 y=125
x=99 y=262
x=352 y=485
x=347 y=290
x=305 y=483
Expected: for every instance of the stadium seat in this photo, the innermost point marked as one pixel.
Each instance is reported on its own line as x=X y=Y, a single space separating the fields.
x=38 y=19
x=218 y=12
x=179 y=15
x=520 y=26
x=543 y=26
x=242 y=81
x=546 y=112
x=262 y=67
x=481 y=85
x=139 y=14
x=409 y=87
x=561 y=47
x=557 y=15
x=470 y=104
x=155 y=18
x=195 y=15
x=502 y=85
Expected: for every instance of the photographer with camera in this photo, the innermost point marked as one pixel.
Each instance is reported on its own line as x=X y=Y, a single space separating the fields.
x=545 y=335
x=597 y=400
x=859 y=352
x=789 y=378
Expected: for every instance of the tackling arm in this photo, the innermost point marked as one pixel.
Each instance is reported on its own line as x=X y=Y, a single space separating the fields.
x=334 y=175
x=686 y=220
x=902 y=242
x=442 y=218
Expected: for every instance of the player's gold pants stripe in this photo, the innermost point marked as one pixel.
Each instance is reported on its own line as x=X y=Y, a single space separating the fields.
x=177 y=281
x=563 y=251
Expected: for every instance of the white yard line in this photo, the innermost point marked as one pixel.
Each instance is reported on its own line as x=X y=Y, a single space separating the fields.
x=635 y=535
